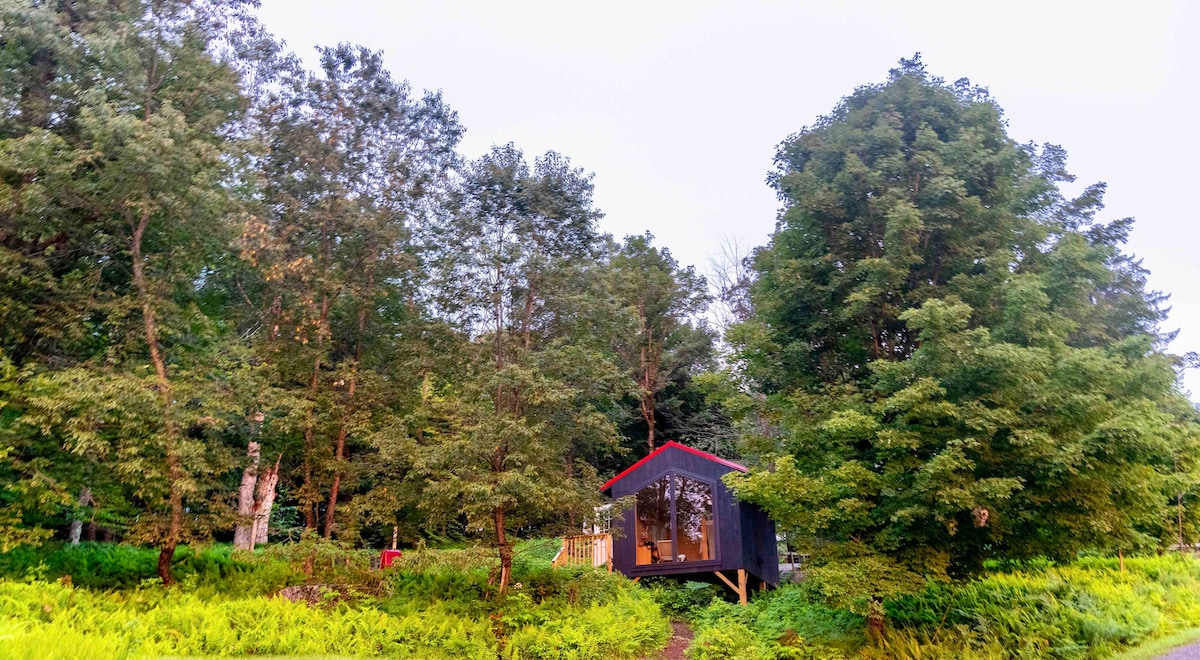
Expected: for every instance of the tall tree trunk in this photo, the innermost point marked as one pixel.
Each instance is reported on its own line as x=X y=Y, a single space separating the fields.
x=1179 y=517
x=651 y=358
x=339 y=457
x=647 y=406
x=243 y=534
x=1178 y=507
x=569 y=471
x=175 y=471
x=264 y=502
x=505 y=549
x=76 y=531
x=646 y=401
x=528 y=321
x=308 y=489
x=339 y=450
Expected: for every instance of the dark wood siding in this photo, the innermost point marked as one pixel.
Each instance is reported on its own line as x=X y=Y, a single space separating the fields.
x=759 y=544
x=745 y=536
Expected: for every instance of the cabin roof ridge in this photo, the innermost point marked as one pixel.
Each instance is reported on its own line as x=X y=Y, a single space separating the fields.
x=676 y=445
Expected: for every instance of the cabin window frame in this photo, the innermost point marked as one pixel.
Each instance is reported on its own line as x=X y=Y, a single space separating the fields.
x=674 y=523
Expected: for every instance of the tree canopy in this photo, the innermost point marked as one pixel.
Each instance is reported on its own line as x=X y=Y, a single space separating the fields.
x=236 y=294
x=964 y=362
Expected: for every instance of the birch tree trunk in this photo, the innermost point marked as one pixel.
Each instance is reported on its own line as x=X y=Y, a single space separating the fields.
x=264 y=502
x=243 y=534
x=85 y=499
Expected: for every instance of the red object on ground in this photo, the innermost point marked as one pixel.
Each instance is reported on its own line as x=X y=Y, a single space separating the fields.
x=388 y=557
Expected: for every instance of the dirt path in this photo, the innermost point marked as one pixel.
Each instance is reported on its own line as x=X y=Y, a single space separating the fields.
x=1189 y=652
x=681 y=637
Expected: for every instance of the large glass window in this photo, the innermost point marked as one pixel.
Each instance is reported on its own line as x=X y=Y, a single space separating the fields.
x=675 y=521
x=694 y=520
x=654 y=522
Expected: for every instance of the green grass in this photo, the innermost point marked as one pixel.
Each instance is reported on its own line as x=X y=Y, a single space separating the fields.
x=1161 y=646
x=1087 y=610
x=438 y=605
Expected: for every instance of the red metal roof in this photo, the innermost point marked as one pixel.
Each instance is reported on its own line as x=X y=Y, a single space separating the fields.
x=671 y=443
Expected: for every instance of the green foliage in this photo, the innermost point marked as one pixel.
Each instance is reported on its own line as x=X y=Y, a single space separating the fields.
x=943 y=362
x=110 y=566
x=1088 y=609
x=791 y=622
x=660 y=344
x=624 y=627
x=727 y=632
x=466 y=578
x=325 y=562
x=495 y=441
x=48 y=620
x=959 y=363
x=437 y=613
x=423 y=559
x=682 y=600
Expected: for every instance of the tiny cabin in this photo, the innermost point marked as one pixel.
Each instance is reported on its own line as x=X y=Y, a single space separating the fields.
x=684 y=522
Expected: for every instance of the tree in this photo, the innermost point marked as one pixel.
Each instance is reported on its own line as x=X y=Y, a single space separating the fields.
x=731 y=274
x=495 y=447
x=968 y=365
x=354 y=162
x=662 y=343
x=119 y=167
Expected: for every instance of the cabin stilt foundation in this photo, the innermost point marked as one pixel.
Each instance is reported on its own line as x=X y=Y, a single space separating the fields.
x=741 y=588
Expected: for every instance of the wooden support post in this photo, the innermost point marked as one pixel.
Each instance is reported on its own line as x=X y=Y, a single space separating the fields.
x=726 y=580
x=636 y=579
x=740 y=588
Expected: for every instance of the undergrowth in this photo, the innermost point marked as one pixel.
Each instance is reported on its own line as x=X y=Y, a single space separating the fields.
x=434 y=605
x=1086 y=610
x=116 y=566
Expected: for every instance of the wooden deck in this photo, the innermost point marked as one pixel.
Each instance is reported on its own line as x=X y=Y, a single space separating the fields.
x=585 y=550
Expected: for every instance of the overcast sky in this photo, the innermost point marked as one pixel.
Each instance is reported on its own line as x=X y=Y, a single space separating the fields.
x=677 y=106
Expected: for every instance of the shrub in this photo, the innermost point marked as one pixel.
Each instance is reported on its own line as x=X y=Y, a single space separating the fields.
x=1085 y=610
x=683 y=600
x=215 y=568
x=436 y=612
x=625 y=627
x=156 y=622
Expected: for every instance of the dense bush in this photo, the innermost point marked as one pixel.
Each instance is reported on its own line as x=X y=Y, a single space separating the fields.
x=623 y=627
x=46 y=620
x=51 y=620
x=118 y=566
x=789 y=623
x=424 y=609
x=1086 y=610
x=683 y=600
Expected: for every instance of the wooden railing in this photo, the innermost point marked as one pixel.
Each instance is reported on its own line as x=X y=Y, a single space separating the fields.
x=586 y=550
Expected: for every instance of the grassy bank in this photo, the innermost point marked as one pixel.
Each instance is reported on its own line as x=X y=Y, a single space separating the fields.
x=437 y=605
x=1089 y=609
x=101 y=601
